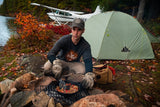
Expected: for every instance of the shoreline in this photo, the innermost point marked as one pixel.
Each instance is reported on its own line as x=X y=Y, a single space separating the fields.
x=1 y=48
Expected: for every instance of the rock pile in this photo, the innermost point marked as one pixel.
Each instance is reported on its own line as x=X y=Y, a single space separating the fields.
x=23 y=91
x=27 y=96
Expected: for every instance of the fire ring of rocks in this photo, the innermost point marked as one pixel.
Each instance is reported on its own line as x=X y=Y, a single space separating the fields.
x=50 y=90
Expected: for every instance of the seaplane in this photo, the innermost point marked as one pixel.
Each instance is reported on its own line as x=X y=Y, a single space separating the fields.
x=65 y=16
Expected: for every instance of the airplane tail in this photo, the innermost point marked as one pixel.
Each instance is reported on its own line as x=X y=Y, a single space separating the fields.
x=98 y=10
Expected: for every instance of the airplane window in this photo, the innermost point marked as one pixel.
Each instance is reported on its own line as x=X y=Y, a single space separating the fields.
x=57 y=12
x=61 y=13
x=67 y=14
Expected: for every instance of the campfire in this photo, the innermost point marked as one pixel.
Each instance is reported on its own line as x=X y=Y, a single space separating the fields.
x=31 y=90
x=64 y=99
x=47 y=86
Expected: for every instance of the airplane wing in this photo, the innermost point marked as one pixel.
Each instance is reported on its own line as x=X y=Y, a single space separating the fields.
x=52 y=8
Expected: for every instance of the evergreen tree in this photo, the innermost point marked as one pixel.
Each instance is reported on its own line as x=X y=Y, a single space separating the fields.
x=151 y=10
x=3 y=8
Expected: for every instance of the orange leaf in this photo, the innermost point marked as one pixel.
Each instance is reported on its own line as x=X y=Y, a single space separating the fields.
x=123 y=81
x=15 y=73
x=133 y=68
x=142 y=69
x=139 y=90
x=3 y=68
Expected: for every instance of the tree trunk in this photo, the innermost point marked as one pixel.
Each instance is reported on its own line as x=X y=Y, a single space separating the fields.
x=141 y=10
x=133 y=11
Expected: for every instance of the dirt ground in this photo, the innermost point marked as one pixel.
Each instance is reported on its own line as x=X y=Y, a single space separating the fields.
x=139 y=79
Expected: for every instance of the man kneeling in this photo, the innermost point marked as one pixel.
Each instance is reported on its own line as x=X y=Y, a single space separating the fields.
x=62 y=69
x=70 y=49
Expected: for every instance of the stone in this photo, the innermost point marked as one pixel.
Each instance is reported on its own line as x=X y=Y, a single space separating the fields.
x=59 y=105
x=33 y=63
x=41 y=100
x=9 y=105
x=95 y=91
x=128 y=100
x=5 y=85
x=22 y=98
x=116 y=92
x=40 y=83
x=99 y=100
x=22 y=82
x=51 y=102
x=95 y=104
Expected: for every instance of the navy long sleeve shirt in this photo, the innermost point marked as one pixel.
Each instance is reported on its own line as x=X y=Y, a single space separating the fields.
x=64 y=49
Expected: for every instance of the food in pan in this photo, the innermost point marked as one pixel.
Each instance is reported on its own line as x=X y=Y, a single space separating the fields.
x=67 y=89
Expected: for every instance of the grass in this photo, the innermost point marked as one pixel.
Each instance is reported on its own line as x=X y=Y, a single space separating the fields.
x=5 y=60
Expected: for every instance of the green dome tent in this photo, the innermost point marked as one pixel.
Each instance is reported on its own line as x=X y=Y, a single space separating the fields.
x=117 y=36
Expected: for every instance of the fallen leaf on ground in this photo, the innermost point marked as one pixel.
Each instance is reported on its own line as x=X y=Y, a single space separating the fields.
x=3 y=68
x=139 y=90
x=148 y=97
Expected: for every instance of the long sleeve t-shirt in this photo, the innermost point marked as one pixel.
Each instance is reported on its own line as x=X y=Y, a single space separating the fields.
x=64 y=49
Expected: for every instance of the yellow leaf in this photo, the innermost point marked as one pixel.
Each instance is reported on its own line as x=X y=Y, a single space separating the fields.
x=139 y=90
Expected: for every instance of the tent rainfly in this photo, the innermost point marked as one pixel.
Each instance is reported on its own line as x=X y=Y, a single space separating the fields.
x=117 y=36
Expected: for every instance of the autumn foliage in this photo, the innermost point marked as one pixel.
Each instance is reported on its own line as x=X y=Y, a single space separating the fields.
x=32 y=35
x=35 y=35
x=30 y=28
x=62 y=29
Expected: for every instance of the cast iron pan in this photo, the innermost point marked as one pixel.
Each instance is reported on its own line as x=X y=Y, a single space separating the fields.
x=69 y=89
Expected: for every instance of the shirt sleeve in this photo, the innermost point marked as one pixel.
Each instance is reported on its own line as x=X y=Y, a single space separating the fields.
x=87 y=57
x=54 y=51
x=88 y=65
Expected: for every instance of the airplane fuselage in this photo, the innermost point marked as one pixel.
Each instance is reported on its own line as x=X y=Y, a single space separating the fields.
x=66 y=15
x=66 y=18
x=61 y=18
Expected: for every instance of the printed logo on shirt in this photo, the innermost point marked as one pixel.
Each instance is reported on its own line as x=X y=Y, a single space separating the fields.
x=71 y=55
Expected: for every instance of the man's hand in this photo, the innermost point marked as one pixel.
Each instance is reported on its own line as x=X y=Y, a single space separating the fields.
x=57 y=70
x=88 y=80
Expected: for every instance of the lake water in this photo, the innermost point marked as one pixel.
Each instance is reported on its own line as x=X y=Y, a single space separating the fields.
x=5 y=32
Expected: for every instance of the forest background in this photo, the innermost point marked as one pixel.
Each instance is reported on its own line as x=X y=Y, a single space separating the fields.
x=34 y=39
x=146 y=11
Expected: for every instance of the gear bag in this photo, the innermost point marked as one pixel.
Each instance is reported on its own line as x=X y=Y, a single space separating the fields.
x=104 y=74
